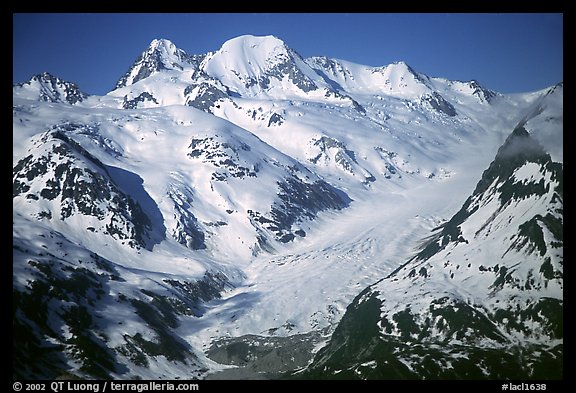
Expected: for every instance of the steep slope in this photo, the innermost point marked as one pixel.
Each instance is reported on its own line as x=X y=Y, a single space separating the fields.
x=256 y=66
x=397 y=79
x=246 y=66
x=160 y=55
x=110 y=216
x=46 y=87
x=219 y=205
x=161 y=75
x=223 y=189
x=61 y=180
x=262 y=85
x=545 y=120
x=484 y=296
x=77 y=313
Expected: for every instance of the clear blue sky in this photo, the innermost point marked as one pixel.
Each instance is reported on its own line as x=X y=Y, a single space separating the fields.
x=505 y=52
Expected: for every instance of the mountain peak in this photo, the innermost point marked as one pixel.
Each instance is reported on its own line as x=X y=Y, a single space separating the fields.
x=519 y=143
x=254 y=64
x=161 y=43
x=161 y=54
x=400 y=67
x=399 y=78
x=518 y=149
x=47 y=87
x=44 y=76
x=266 y=43
x=218 y=206
x=253 y=50
x=166 y=50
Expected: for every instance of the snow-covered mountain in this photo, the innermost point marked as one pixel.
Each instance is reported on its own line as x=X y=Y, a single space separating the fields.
x=46 y=87
x=484 y=296
x=213 y=207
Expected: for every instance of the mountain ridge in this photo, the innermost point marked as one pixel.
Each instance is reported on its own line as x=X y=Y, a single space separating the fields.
x=49 y=88
x=471 y=327
x=222 y=213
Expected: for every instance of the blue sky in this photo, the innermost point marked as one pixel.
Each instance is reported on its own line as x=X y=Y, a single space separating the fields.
x=505 y=52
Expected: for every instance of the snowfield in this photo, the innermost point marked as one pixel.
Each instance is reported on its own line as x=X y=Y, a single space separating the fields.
x=266 y=191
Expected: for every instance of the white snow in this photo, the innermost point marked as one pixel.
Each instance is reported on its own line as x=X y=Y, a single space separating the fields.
x=309 y=282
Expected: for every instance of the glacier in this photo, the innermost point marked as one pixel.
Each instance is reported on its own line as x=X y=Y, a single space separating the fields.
x=243 y=198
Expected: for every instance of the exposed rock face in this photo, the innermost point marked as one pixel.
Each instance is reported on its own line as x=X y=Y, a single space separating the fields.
x=52 y=89
x=64 y=181
x=230 y=206
x=451 y=312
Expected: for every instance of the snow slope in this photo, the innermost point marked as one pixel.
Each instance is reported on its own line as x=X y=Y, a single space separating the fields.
x=245 y=191
x=46 y=87
x=484 y=296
